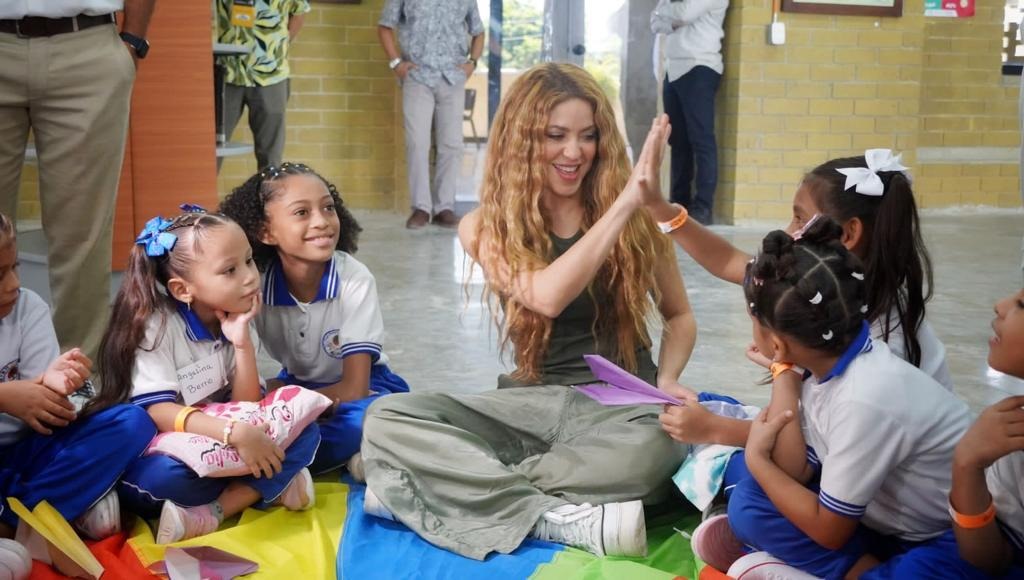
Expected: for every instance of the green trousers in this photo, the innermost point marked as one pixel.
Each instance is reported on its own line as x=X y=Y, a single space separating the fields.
x=473 y=473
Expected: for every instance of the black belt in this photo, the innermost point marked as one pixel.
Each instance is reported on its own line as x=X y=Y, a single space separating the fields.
x=37 y=26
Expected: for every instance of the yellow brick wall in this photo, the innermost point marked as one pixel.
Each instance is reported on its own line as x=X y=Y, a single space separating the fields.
x=839 y=85
x=966 y=103
x=343 y=117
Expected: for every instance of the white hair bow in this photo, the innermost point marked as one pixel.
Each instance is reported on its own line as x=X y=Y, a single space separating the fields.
x=866 y=179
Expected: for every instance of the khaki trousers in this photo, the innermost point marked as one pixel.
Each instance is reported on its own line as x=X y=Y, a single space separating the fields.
x=473 y=473
x=74 y=91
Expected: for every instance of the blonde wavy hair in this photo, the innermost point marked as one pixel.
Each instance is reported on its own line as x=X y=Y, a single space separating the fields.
x=515 y=224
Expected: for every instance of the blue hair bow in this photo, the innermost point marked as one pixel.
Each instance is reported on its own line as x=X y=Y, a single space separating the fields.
x=192 y=208
x=155 y=237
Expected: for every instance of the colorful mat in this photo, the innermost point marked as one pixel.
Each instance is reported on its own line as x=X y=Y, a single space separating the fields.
x=337 y=540
x=376 y=548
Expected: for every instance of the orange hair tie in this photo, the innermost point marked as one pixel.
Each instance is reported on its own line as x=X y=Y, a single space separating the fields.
x=973 y=522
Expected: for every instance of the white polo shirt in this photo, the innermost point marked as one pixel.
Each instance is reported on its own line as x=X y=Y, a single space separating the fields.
x=179 y=361
x=883 y=433
x=28 y=344
x=1005 y=480
x=311 y=340
x=693 y=34
x=933 y=352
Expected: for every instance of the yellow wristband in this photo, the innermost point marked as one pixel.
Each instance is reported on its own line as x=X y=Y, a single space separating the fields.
x=227 y=431
x=973 y=522
x=676 y=222
x=181 y=417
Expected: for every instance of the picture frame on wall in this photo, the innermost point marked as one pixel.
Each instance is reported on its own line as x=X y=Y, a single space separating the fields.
x=845 y=7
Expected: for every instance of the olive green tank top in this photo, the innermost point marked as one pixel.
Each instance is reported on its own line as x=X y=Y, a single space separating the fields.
x=572 y=336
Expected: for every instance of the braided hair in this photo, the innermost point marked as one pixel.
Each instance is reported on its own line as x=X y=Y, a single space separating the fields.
x=810 y=288
x=246 y=204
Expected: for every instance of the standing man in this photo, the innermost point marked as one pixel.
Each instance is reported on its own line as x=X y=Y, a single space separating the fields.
x=693 y=67
x=435 y=60
x=259 y=80
x=66 y=73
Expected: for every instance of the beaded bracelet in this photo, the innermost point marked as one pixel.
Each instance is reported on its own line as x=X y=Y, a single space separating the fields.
x=973 y=522
x=181 y=417
x=227 y=431
x=676 y=222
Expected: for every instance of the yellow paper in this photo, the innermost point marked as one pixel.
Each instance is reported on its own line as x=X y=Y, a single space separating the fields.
x=242 y=15
x=285 y=544
x=48 y=523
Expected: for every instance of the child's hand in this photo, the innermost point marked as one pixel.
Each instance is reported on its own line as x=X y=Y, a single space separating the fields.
x=763 y=433
x=998 y=431
x=67 y=373
x=688 y=423
x=757 y=357
x=235 y=326
x=258 y=451
x=38 y=406
x=678 y=391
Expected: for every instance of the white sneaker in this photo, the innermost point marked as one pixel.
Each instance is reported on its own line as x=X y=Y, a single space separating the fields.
x=299 y=495
x=355 y=468
x=612 y=529
x=181 y=523
x=15 y=561
x=764 y=566
x=101 y=520
x=373 y=506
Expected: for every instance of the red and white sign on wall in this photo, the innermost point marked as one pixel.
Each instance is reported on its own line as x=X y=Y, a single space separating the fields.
x=949 y=8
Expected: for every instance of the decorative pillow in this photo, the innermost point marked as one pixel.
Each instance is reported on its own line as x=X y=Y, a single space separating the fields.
x=288 y=410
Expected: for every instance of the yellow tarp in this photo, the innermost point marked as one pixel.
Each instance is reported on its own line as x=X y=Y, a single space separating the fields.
x=285 y=544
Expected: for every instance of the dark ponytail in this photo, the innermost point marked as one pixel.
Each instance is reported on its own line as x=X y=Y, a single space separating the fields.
x=897 y=267
x=144 y=293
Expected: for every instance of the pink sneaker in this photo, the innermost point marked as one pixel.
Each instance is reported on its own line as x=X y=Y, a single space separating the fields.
x=181 y=523
x=299 y=495
x=715 y=544
x=764 y=566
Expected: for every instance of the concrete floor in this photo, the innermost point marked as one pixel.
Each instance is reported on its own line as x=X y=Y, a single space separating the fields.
x=440 y=337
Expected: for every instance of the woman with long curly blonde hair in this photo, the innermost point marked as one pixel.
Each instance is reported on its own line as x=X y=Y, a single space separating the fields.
x=574 y=266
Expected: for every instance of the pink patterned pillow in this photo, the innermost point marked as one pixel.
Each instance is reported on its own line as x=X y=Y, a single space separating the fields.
x=288 y=410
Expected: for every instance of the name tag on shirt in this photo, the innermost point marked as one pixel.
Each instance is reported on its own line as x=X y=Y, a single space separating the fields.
x=202 y=379
x=243 y=13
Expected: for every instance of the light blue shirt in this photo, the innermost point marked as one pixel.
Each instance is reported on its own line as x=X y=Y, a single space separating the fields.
x=434 y=35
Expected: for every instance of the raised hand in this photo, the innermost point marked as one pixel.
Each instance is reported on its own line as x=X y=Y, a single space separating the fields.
x=235 y=325
x=67 y=373
x=644 y=186
x=998 y=431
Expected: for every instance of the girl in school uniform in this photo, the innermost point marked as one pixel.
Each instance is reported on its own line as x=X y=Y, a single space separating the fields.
x=180 y=335
x=870 y=196
x=987 y=499
x=47 y=450
x=321 y=318
x=857 y=486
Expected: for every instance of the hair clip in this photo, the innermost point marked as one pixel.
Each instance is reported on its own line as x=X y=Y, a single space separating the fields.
x=752 y=306
x=858 y=275
x=800 y=232
x=828 y=335
x=155 y=237
x=192 y=208
x=816 y=299
x=757 y=281
x=864 y=309
x=865 y=180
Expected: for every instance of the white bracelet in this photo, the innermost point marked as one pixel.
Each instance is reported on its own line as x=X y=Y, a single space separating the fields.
x=393 y=63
